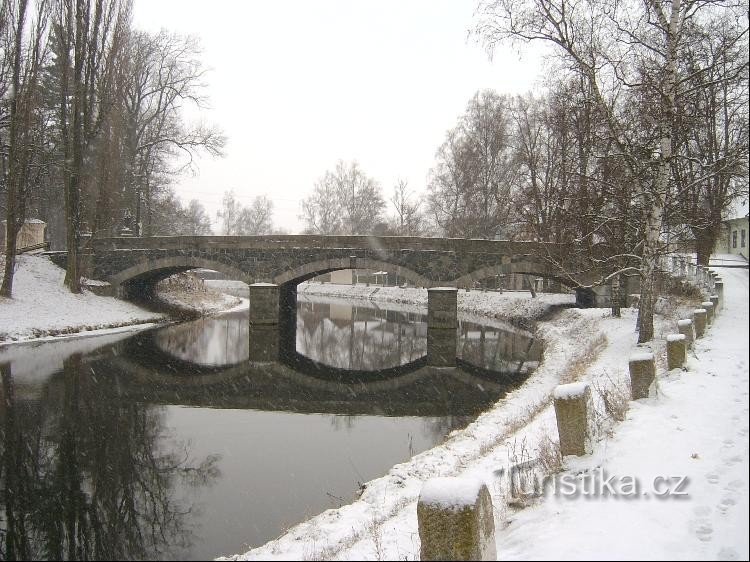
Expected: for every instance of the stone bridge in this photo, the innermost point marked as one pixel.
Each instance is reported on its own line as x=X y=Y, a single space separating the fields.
x=273 y=266
x=133 y=264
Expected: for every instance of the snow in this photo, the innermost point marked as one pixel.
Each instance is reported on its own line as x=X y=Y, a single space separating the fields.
x=42 y=306
x=684 y=323
x=694 y=427
x=675 y=337
x=642 y=356
x=571 y=391
x=451 y=493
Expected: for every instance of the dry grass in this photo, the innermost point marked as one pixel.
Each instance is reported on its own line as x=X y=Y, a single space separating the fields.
x=614 y=396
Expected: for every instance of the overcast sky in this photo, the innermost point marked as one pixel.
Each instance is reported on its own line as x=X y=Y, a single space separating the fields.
x=298 y=85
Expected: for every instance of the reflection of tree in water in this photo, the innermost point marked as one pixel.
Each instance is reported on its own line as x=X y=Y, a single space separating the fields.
x=209 y=341
x=84 y=477
x=365 y=339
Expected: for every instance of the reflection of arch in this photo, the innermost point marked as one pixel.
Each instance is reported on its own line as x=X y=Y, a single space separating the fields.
x=164 y=267
x=315 y=268
x=527 y=267
x=244 y=373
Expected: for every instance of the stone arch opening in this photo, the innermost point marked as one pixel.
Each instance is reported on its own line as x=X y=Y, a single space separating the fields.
x=139 y=280
x=305 y=272
x=527 y=267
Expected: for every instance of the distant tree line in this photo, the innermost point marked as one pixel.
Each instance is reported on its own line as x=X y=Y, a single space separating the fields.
x=92 y=123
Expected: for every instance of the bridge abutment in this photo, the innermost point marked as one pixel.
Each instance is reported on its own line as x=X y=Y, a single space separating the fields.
x=442 y=323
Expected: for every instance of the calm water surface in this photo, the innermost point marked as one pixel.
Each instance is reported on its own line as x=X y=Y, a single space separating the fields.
x=172 y=444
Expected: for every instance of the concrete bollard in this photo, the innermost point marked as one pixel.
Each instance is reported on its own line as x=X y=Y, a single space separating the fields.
x=676 y=351
x=719 y=290
x=573 y=412
x=455 y=520
x=699 y=321
x=642 y=373
x=685 y=327
x=715 y=301
x=709 y=306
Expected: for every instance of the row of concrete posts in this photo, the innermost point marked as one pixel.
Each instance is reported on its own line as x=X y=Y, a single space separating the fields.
x=455 y=515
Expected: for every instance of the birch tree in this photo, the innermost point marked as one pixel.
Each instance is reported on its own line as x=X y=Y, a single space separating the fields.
x=628 y=52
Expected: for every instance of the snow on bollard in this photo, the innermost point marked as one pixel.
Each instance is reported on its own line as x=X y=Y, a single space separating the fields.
x=455 y=520
x=699 y=321
x=572 y=410
x=685 y=327
x=676 y=351
x=709 y=306
x=642 y=373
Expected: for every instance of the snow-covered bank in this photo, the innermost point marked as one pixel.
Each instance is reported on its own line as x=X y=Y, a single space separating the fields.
x=507 y=305
x=43 y=307
x=654 y=438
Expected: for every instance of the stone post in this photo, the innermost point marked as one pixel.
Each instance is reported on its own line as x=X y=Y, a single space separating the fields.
x=442 y=322
x=685 y=327
x=676 y=351
x=573 y=413
x=709 y=306
x=642 y=373
x=719 y=290
x=456 y=520
x=264 y=322
x=715 y=301
x=699 y=321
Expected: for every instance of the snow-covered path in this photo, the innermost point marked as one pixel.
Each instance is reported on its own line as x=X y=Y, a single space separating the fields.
x=697 y=427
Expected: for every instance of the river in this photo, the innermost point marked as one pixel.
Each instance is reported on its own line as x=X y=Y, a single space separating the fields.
x=171 y=443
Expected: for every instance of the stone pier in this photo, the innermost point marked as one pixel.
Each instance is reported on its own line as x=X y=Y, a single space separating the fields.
x=685 y=327
x=642 y=374
x=455 y=520
x=264 y=322
x=676 y=351
x=699 y=321
x=442 y=323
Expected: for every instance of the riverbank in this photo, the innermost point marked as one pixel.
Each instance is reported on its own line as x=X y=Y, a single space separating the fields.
x=42 y=308
x=580 y=345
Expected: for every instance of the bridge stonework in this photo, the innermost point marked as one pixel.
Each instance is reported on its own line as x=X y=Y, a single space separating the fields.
x=288 y=260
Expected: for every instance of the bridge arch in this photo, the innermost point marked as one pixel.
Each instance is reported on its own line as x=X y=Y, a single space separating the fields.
x=151 y=271
x=312 y=269
x=526 y=267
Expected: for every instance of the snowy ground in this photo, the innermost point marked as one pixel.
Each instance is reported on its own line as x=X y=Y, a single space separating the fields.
x=695 y=425
x=43 y=307
x=508 y=305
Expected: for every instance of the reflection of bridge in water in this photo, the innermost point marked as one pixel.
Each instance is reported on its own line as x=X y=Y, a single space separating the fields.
x=144 y=370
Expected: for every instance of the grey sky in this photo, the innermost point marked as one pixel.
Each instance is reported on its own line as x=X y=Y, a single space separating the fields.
x=297 y=85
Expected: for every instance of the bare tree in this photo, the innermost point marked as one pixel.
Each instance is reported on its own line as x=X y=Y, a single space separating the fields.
x=345 y=201
x=629 y=55
x=230 y=214
x=258 y=218
x=409 y=219
x=25 y=56
x=89 y=35
x=470 y=187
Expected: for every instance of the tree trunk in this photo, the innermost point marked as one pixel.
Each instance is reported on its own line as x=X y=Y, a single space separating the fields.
x=615 y=297
x=15 y=190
